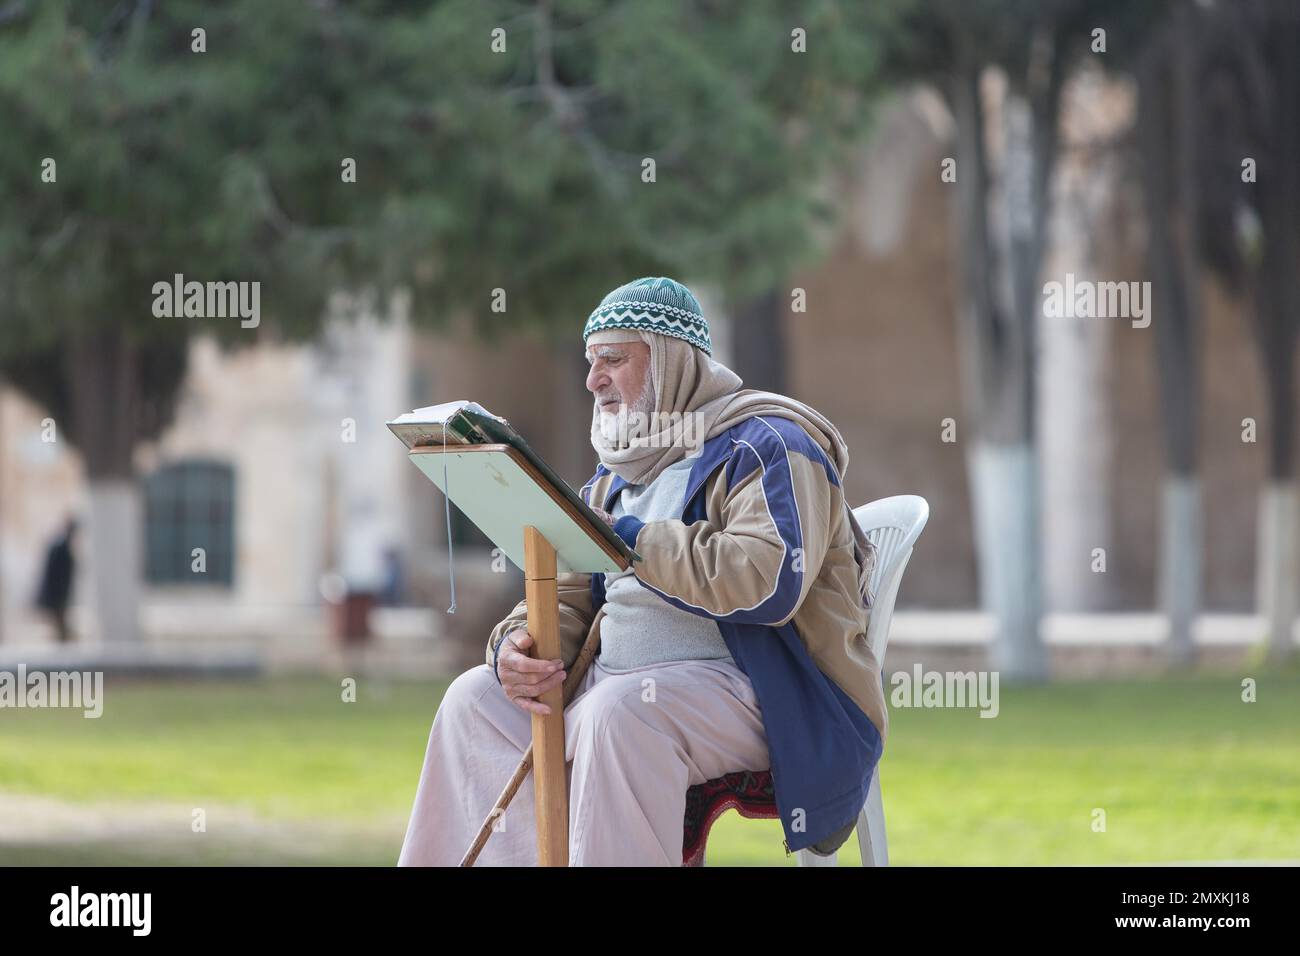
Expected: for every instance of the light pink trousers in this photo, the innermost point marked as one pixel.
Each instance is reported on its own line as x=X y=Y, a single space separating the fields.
x=634 y=741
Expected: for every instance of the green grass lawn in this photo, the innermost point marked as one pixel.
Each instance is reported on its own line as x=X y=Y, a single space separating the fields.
x=1183 y=769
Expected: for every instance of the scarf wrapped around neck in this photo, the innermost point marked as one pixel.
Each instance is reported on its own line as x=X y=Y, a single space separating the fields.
x=708 y=399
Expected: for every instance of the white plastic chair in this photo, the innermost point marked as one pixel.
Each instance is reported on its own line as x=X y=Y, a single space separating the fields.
x=893 y=525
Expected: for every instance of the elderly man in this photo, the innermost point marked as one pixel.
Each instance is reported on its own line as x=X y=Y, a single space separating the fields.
x=737 y=642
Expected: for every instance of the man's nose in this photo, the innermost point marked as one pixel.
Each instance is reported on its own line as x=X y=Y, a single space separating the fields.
x=596 y=379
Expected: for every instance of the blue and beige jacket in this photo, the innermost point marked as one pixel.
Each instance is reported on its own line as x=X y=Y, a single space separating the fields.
x=764 y=547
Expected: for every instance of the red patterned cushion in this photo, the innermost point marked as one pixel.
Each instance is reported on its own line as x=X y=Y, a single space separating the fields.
x=749 y=791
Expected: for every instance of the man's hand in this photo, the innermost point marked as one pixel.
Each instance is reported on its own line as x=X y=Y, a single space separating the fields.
x=604 y=516
x=524 y=678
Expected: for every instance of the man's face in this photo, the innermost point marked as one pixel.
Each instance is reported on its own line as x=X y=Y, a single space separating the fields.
x=620 y=377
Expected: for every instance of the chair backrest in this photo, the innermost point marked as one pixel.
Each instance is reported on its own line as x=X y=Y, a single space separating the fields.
x=893 y=525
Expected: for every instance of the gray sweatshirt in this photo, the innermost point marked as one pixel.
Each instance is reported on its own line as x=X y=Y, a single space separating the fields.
x=640 y=628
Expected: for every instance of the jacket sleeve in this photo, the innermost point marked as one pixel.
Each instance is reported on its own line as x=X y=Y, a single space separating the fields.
x=576 y=615
x=754 y=559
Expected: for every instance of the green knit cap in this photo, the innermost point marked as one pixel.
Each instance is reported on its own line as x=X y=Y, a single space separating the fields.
x=653 y=304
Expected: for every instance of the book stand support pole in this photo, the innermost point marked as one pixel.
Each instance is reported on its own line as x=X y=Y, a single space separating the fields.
x=549 y=782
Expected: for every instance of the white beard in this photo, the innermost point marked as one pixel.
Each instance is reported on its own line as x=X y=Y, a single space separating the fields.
x=614 y=425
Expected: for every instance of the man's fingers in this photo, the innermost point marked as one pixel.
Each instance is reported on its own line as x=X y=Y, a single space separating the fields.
x=532 y=706
x=524 y=697
x=519 y=688
x=517 y=643
x=529 y=665
x=531 y=675
x=515 y=685
x=527 y=679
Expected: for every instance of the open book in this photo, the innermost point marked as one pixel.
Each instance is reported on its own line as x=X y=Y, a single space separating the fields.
x=424 y=426
x=468 y=423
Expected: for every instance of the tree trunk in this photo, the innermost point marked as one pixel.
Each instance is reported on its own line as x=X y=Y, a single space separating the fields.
x=999 y=289
x=1005 y=500
x=2 y=511
x=115 y=517
x=1167 y=91
x=1181 y=541
x=1076 y=417
x=104 y=394
x=1278 y=317
x=1278 y=572
x=1279 y=565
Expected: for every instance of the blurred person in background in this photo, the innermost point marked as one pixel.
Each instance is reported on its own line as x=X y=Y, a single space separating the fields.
x=56 y=581
x=393 y=592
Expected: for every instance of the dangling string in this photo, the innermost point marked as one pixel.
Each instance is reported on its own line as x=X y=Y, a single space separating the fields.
x=446 y=492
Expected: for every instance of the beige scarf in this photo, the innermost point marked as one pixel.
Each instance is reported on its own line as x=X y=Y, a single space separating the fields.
x=687 y=381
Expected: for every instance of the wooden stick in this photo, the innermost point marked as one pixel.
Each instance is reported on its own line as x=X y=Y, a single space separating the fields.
x=571 y=683
x=542 y=596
